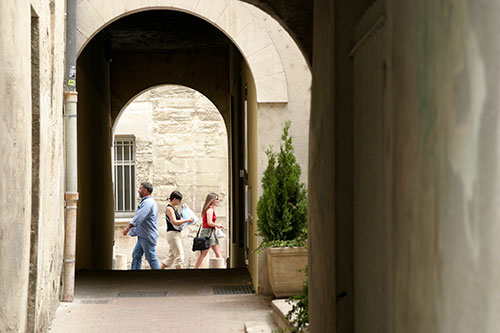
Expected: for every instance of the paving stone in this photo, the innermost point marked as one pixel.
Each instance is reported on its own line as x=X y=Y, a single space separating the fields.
x=189 y=306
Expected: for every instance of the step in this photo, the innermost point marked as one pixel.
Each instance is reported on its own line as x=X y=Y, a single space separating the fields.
x=279 y=310
x=260 y=326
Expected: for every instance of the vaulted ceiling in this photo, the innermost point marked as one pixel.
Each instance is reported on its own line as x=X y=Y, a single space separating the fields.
x=175 y=30
x=163 y=30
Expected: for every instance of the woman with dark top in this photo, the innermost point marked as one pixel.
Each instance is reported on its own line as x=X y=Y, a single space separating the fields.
x=174 y=227
x=208 y=229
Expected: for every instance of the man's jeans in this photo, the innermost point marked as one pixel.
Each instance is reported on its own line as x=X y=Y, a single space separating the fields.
x=147 y=248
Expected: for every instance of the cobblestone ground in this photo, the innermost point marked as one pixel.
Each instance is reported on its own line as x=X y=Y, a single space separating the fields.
x=161 y=301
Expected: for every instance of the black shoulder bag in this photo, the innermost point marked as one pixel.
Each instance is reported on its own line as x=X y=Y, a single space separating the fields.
x=201 y=243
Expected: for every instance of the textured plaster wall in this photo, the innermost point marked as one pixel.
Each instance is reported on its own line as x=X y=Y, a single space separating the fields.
x=15 y=103
x=298 y=84
x=182 y=144
x=369 y=177
x=446 y=184
x=439 y=175
x=342 y=217
x=321 y=172
x=18 y=312
x=51 y=174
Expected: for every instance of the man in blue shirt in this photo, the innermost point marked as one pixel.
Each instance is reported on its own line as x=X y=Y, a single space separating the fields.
x=145 y=224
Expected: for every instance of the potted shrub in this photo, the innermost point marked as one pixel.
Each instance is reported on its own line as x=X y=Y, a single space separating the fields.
x=282 y=219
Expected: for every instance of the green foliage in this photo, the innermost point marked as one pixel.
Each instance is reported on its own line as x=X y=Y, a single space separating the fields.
x=301 y=242
x=282 y=208
x=299 y=314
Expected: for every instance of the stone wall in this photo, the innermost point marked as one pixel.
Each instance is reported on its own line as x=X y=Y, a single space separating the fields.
x=181 y=144
x=31 y=195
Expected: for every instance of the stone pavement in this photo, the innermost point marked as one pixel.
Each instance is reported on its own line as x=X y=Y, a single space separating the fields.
x=163 y=301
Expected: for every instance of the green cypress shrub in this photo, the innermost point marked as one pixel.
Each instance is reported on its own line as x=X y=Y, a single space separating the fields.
x=282 y=207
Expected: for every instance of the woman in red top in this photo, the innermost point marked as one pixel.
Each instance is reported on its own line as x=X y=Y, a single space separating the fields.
x=209 y=226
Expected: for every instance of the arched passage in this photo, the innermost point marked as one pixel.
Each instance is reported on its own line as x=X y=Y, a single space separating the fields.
x=146 y=52
x=176 y=138
x=138 y=48
x=123 y=60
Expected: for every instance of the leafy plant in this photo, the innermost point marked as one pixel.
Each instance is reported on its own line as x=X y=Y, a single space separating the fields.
x=282 y=208
x=299 y=314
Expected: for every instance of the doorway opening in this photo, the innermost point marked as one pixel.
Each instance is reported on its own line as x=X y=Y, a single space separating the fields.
x=175 y=138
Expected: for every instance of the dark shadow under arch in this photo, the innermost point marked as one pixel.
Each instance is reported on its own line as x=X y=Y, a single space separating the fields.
x=152 y=48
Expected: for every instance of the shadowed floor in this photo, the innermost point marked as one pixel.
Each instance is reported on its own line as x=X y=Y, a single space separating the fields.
x=162 y=301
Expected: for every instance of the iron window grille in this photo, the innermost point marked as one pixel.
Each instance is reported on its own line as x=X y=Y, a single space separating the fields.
x=124 y=175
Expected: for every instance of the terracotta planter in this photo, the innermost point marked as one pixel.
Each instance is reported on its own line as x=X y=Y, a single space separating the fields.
x=285 y=266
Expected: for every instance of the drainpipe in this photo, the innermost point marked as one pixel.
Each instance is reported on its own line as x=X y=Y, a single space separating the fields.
x=70 y=143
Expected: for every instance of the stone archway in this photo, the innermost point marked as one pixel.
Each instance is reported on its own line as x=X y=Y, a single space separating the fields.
x=172 y=133
x=273 y=72
x=235 y=20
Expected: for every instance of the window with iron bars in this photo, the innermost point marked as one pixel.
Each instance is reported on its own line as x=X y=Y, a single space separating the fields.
x=124 y=175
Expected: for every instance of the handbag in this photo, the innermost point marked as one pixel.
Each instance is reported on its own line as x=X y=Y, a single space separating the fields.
x=201 y=243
